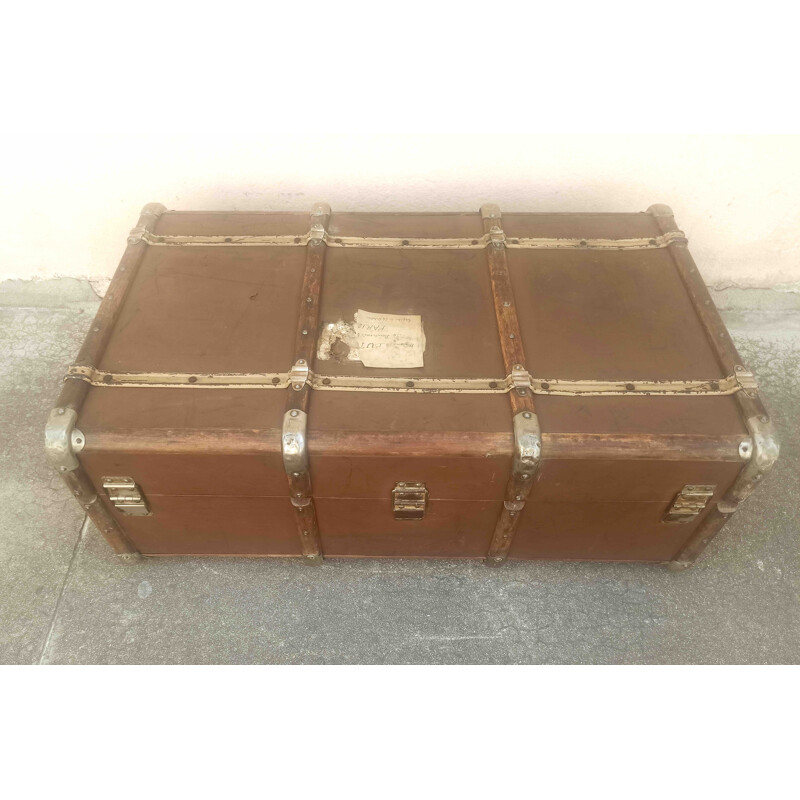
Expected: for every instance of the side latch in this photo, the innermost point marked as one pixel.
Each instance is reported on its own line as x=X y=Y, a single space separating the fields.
x=409 y=500
x=688 y=503
x=126 y=496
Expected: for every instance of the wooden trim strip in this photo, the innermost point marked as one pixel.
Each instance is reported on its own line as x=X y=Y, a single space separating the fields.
x=451 y=444
x=297 y=400
x=763 y=444
x=407 y=243
x=73 y=393
x=521 y=396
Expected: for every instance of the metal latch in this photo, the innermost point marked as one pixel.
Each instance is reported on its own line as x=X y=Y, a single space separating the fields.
x=688 y=503
x=126 y=496
x=409 y=500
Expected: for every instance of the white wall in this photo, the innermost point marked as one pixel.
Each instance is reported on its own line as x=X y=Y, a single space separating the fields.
x=67 y=203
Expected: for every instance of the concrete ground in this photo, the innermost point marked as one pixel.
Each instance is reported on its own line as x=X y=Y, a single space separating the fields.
x=64 y=598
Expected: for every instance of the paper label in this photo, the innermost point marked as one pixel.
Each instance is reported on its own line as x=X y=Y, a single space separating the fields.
x=390 y=341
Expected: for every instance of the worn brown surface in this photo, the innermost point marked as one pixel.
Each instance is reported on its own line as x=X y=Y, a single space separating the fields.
x=583 y=314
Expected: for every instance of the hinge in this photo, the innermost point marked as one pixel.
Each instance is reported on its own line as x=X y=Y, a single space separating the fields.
x=746 y=380
x=409 y=499
x=126 y=496
x=298 y=374
x=688 y=503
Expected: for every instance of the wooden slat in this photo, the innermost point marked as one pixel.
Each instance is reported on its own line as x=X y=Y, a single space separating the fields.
x=305 y=348
x=730 y=361
x=73 y=393
x=521 y=399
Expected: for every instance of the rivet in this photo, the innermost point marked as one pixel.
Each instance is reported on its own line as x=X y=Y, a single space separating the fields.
x=276 y=381
x=409 y=384
x=493 y=385
x=326 y=381
x=507 y=303
x=505 y=536
x=310 y=555
x=519 y=497
x=299 y=494
x=498 y=558
x=63 y=469
x=583 y=243
x=305 y=332
x=630 y=387
x=524 y=477
x=60 y=410
x=297 y=240
x=526 y=414
x=192 y=379
x=313 y=269
x=294 y=413
x=297 y=387
x=96 y=328
x=401 y=484
x=517 y=366
x=545 y=385
x=308 y=299
x=315 y=241
x=511 y=336
x=405 y=241
x=652 y=242
x=758 y=476
x=305 y=533
x=512 y=513
x=301 y=361
x=296 y=474
x=521 y=392
x=764 y=418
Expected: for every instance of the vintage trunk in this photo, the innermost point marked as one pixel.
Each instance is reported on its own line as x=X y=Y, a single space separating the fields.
x=548 y=386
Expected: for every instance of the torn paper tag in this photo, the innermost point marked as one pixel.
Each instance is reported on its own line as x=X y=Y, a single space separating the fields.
x=392 y=341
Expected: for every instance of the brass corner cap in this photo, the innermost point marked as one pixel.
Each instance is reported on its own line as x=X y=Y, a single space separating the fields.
x=153 y=210
x=660 y=210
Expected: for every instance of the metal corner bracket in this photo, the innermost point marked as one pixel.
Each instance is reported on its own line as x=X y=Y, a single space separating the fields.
x=527 y=444
x=62 y=440
x=766 y=448
x=294 y=441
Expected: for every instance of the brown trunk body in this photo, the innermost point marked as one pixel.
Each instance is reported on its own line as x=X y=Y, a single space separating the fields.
x=205 y=384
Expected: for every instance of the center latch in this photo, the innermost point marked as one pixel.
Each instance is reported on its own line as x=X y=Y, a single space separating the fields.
x=409 y=499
